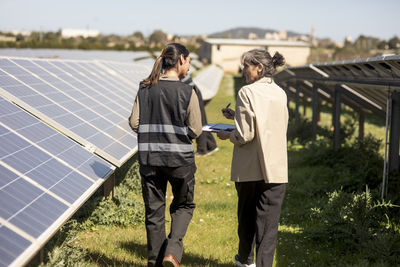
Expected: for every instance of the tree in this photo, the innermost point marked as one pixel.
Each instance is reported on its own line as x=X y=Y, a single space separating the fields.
x=139 y=35
x=35 y=36
x=383 y=45
x=158 y=37
x=51 y=36
x=394 y=43
x=365 y=43
x=20 y=38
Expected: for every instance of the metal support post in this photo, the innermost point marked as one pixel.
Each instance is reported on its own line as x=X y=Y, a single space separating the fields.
x=394 y=133
x=297 y=101
x=287 y=89
x=336 y=117
x=361 y=120
x=315 y=111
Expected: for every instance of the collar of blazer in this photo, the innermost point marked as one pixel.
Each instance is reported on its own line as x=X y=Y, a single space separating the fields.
x=264 y=80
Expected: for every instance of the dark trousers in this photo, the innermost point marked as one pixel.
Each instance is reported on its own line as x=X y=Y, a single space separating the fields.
x=205 y=142
x=259 y=207
x=154 y=185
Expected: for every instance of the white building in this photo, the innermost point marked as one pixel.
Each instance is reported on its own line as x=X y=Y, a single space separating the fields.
x=226 y=52
x=68 y=33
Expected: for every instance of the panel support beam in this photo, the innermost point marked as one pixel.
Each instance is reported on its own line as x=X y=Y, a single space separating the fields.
x=108 y=186
x=37 y=259
x=361 y=121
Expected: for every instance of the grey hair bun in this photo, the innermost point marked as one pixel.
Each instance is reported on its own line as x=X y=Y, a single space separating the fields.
x=278 y=60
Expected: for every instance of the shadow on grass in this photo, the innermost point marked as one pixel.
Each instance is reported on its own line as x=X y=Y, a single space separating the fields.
x=102 y=260
x=290 y=249
x=189 y=259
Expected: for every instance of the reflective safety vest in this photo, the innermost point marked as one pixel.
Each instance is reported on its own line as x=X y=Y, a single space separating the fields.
x=163 y=134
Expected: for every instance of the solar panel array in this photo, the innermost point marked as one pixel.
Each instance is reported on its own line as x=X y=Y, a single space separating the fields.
x=45 y=177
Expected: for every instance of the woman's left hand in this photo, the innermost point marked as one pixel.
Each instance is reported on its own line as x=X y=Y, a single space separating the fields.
x=223 y=135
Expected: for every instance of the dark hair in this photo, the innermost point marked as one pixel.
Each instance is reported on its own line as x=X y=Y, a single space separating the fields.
x=166 y=60
x=263 y=57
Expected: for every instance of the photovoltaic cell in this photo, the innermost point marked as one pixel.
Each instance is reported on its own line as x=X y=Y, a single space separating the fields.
x=16 y=245
x=44 y=176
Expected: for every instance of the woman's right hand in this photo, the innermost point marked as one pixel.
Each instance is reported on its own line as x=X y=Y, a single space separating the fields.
x=228 y=113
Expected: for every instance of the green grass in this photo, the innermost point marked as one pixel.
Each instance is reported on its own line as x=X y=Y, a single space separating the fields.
x=211 y=239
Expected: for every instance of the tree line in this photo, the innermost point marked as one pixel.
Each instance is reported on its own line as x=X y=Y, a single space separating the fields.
x=133 y=42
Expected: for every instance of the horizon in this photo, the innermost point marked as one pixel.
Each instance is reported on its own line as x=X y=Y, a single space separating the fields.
x=336 y=20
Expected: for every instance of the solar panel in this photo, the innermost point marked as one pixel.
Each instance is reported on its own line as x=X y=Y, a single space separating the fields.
x=133 y=74
x=69 y=96
x=45 y=178
x=208 y=81
x=371 y=79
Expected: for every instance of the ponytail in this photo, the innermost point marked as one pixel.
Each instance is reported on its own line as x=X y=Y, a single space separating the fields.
x=168 y=59
x=154 y=75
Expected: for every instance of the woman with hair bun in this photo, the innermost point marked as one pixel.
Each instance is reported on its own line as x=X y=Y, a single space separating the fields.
x=259 y=164
x=166 y=116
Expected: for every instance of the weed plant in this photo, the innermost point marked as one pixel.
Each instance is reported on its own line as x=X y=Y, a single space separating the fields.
x=356 y=223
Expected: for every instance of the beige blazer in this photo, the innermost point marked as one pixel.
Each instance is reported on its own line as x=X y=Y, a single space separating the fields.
x=260 y=146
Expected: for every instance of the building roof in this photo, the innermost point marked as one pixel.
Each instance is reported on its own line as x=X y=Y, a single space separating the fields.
x=261 y=42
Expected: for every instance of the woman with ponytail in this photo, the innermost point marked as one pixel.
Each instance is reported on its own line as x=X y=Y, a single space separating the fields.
x=259 y=164
x=166 y=116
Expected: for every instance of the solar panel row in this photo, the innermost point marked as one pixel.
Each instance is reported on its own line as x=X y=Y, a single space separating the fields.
x=370 y=78
x=120 y=56
x=46 y=176
x=208 y=81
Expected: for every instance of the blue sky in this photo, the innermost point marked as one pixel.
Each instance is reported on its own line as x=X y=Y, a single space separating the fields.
x=335 y=19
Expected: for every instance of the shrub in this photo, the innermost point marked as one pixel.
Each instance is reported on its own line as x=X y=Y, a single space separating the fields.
x=354 y=165
x=355 y=223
